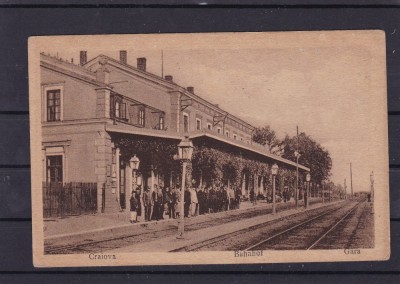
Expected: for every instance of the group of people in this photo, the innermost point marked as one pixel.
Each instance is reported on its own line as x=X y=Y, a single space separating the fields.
x=164 y=201
x=153 y=203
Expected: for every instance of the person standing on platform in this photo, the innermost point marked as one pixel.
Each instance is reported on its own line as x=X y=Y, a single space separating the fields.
x=160 y=204
x=252 y=197
x=194 y=202
x=221 y=199
x=169 y=201
x=238 y=193
x=156 y=204
x=231 y=196
x=187 y=201
x=201 y=197
x=147 y=204
x=139 y=199
x=134 y=207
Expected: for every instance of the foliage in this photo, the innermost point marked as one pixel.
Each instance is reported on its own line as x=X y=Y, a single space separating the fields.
x=220 y=165
x=216 y=164
x=313 y=155
x=267 y=137
x=151 y=151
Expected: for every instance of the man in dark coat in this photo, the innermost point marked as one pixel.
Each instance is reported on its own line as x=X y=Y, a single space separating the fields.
x=238 y=193
x=159 y=204
x=139 y=199
x=212 y=197
x=147 y=203
x=201 y=200
x=157 y=201
x=169 y=201
x=134 y=204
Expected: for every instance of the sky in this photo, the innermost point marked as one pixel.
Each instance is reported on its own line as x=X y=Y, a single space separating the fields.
x=331 y=84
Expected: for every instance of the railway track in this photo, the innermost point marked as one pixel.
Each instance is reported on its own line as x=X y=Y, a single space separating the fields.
x=355 y=231
x=125 y=240
x=302 y=236
x=273 y=230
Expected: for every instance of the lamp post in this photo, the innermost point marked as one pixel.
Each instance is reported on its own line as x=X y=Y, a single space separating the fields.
x=297 y=155
x=185 y=152
x=274 y=171
x=134 y=164
x=308 y=178
x=371 y=177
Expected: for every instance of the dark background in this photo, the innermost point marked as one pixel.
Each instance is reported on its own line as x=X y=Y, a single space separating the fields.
x=21 y=19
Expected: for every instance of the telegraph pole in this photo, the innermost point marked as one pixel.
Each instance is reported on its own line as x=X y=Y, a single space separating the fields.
x=351 y=181
x=345 y=189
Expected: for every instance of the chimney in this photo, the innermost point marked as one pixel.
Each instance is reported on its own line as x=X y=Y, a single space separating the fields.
x=123 y=56
x=141 y=64
x=83 y=57
x=169 y=78
x=190 y=89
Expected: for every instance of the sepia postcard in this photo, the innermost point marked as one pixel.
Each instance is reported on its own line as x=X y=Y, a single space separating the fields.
x=209 y=148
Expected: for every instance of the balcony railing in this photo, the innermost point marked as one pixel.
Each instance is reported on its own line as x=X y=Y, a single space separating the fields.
x=133 y=112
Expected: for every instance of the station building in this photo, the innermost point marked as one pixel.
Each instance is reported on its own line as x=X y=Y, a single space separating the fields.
x=99 y=113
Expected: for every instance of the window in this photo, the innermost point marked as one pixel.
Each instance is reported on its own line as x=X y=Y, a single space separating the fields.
x=208 y=126
x=241 y=138
x=219 y=130
x=54 y=168
x=161 y=123
x=117 y=107
x=141 y=117
x=234 y=136
x=198 y=123
x=185 y=122
x=53 y=100
x=227 y=133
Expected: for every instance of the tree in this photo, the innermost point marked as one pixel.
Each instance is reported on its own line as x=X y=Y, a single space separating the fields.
x=267 y=137
x=313 y=155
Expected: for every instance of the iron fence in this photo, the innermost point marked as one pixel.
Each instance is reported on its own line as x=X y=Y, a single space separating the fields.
x=67 y=199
